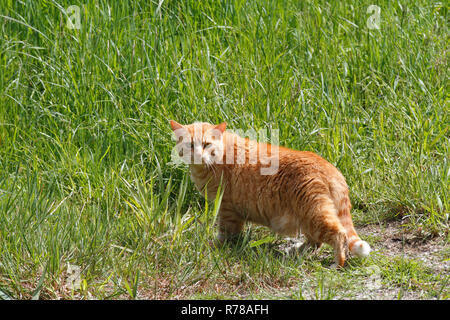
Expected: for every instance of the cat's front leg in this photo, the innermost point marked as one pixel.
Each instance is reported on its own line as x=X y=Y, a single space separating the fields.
x=230 y=224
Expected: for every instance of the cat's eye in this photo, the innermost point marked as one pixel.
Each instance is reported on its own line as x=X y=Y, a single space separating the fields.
x=206 y=145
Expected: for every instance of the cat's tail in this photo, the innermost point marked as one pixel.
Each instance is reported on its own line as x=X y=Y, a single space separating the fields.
x=359 y=248
x=356 y=246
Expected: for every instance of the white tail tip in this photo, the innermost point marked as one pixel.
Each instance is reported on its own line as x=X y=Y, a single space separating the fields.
x=361 y=248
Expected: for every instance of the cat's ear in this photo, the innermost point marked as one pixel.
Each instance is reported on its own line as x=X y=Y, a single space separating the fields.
x=175 y=125
x=221 y=127
x=181 y=133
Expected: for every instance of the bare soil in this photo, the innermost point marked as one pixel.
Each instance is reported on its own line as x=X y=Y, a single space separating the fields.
x=396 y=239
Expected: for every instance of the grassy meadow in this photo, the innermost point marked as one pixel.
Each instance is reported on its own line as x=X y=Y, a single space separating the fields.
x=86 y=179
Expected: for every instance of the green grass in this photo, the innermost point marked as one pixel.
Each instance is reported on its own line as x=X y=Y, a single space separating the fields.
x=85 y=142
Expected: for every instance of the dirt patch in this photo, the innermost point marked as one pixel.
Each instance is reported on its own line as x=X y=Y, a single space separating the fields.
x=395 y=238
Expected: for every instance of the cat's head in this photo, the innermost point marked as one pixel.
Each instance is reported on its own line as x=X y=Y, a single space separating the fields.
x=199 y=142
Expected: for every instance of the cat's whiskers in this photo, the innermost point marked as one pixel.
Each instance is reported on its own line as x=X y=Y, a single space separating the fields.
x=210 y=165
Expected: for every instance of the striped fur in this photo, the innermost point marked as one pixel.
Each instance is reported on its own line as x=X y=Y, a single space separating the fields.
x=306 y=195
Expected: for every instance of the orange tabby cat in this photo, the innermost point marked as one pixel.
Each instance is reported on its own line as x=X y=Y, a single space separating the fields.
x=305 y=193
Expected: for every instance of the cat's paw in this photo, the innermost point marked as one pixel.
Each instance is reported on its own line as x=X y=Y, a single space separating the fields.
x=290 y=247
x=293 y=249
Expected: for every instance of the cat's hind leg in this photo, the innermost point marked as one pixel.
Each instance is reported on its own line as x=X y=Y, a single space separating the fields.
x=324 y=226
x=340 y=245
